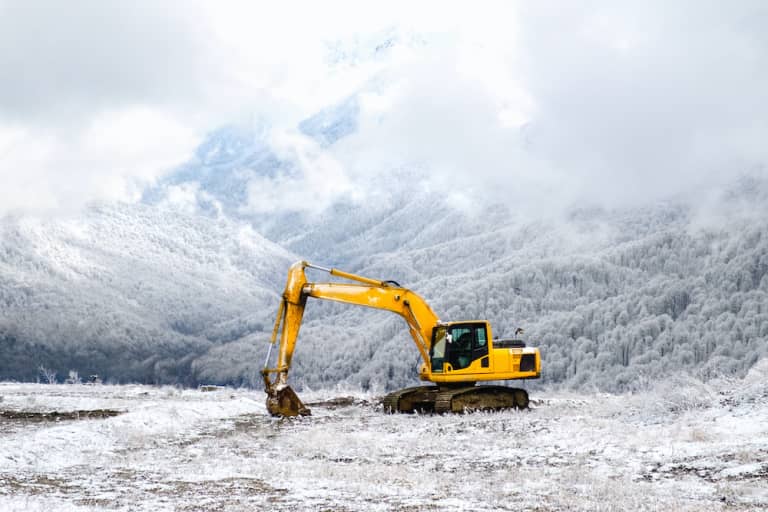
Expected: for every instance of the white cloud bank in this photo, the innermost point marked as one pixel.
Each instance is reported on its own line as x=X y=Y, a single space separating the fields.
x=605 y=102
x=609 y=104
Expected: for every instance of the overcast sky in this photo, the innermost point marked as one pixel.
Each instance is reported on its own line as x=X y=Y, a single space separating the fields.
x=607 y=102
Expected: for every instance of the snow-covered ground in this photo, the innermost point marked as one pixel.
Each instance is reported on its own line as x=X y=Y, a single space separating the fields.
x=681 y=446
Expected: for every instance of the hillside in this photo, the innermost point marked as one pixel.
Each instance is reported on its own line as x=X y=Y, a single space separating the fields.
x=182 y=287
x=131 y=293
x=615 y=300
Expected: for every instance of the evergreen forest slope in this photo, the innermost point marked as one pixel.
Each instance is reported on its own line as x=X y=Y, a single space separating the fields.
x=182 y=287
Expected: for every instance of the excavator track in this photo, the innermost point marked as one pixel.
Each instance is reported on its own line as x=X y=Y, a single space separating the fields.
x=480 y=398
x=455 y=399
x=418 y=398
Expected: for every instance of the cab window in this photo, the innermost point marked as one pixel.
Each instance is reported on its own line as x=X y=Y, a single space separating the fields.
x=468 y=342
x=437 y=352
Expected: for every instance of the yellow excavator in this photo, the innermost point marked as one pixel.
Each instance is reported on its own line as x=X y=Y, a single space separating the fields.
x=456 y=355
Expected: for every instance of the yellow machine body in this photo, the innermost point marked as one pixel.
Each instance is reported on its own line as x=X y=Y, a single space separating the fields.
x=453 y=353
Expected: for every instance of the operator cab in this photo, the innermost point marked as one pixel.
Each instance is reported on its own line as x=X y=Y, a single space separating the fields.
x=458 y=344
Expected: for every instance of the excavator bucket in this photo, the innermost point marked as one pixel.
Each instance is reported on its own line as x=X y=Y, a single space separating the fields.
x=283 y=401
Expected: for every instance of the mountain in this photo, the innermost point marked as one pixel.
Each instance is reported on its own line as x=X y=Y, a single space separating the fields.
x=615 y=299
x=222 y=167
x=131 y=292
x=183 y=286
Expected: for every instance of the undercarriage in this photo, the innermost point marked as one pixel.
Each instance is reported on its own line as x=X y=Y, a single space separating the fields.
x=463 y=398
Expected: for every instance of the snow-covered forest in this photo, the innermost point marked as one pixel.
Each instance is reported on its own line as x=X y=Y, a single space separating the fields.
x=172 y=291
x=614 y=299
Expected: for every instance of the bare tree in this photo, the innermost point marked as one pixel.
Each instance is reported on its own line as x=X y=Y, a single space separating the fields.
x=47 y=376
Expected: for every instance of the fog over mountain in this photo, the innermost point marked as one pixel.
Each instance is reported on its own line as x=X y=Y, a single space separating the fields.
x=183 y=287
x=605 y=189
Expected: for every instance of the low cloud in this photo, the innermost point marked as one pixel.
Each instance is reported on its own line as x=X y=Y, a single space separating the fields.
x=111 y=157
x=93 y=99
x=545 y=106
x=649 y=100
x=312 y=180
x=614 y=105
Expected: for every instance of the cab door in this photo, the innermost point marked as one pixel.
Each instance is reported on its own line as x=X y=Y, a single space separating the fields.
x=466 y=349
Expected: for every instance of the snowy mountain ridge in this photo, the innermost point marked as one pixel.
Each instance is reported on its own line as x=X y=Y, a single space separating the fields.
x=182 y=287
x=130 y=292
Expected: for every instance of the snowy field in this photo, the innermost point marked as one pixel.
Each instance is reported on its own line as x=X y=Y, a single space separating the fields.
x=680 y=446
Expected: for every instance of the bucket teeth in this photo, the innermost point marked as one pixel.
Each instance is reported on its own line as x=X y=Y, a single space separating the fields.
x=285 y=402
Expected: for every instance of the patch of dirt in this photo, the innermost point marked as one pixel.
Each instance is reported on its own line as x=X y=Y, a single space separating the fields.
x=36 y=416
x=221 y=495
x=342 y=401
x=36 y=485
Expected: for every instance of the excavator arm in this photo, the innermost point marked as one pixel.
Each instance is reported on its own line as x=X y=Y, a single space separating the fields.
x=386 y=295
